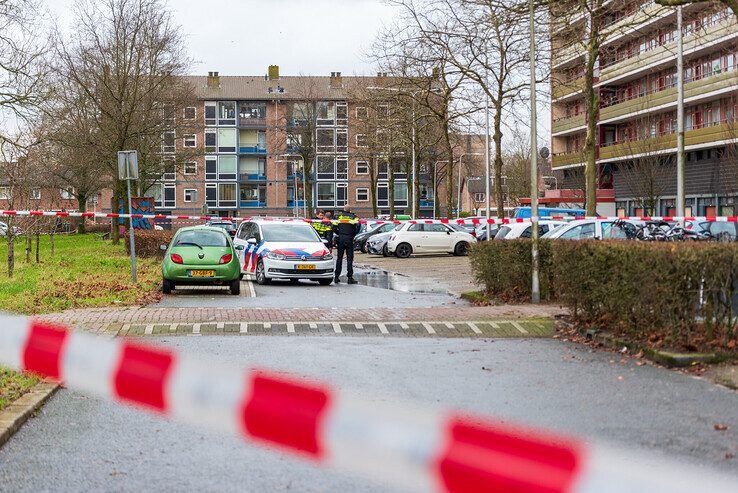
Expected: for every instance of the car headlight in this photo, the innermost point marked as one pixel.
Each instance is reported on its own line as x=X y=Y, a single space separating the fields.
x=275 y=256
x=327 y=256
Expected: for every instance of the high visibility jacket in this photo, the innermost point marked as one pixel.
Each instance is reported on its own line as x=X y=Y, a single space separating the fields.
x=324 y=230
x=347 y=224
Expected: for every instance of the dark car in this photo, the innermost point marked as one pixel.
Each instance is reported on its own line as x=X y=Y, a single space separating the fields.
x=361 y=239
x=226 y=225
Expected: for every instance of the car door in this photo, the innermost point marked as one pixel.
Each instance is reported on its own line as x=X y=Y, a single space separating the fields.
x=580 y=232
x=439 y=238
x=415 y=235
x=239 y=241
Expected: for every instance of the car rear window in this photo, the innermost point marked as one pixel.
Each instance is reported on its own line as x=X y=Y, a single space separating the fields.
x=202 y=238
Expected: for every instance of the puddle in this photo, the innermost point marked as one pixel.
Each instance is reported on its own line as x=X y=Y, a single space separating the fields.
x=376 y=278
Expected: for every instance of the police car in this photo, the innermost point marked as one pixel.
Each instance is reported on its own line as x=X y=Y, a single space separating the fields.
x=277 y=249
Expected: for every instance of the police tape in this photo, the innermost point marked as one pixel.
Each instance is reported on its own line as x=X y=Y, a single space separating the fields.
x=461 y=221
x=412 y=447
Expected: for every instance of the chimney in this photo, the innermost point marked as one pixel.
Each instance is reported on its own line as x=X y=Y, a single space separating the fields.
x=213 y=80
x=336 y=80
x=273 y=72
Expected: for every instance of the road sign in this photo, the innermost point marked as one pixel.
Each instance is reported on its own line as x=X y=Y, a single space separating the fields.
x=128 y=165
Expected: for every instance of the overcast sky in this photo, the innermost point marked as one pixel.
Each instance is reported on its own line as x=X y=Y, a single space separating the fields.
x=244 y=37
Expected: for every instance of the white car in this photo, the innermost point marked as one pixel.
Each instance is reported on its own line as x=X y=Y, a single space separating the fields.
x=274 y=249
x=428 y=238
x=587 y=229
x=524 y=230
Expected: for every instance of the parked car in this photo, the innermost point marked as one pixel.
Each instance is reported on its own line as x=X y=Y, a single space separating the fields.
x=377 y=244
x=525 y=230
x=361 y=239
x=465 y=228
x=200 y=255
x=525 y=212
x=586 y=229
x=481 y=231
x=283 y=250
x=228 y=226
x=4 y=229
x=428 y=238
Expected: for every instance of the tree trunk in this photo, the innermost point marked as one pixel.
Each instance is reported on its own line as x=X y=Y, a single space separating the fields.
x=416 y=187
x=497 y=165
x=38 y=241
x=82 y=207
x=51 y=239
x=409 y=180
x=308 y=170
x=591 y=102
x=373 y=186
x=11 y=251
x=449 y=177
x=29 y=242
x=391 y=191
x=114 y=229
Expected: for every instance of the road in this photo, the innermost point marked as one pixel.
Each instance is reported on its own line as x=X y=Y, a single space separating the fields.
x=83 y=443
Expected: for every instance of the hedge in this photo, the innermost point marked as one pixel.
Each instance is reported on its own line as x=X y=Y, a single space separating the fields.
x=683 y=290
x=148 y=243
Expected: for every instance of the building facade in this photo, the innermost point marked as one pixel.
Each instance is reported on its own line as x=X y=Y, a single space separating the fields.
x=635 y=79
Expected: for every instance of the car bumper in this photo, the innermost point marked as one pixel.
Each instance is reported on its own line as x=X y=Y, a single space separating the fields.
x=375 y=248
x=180 y=274
x=288 y=269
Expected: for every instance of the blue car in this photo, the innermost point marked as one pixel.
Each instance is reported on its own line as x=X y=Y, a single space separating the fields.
x=525 y=212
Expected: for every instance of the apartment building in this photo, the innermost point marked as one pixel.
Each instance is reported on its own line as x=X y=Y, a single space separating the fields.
x=247 y=126
x=635 y=79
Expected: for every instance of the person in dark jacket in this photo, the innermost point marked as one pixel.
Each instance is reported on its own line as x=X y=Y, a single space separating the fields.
x=345 y=228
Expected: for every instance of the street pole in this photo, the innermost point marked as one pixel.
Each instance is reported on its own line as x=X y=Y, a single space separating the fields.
x=486 y=163
x=681 y=203
x=131 y=240
x=458 y=189
x=415 y=189
x=536 y=290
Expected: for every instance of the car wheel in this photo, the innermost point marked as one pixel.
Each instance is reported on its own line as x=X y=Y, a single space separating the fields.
x=167 y=286
x=240 y=277
x=403 y=250
x=385 y=252
x=236 y=287
x=461 y=248
x=261 y=277
x=325 y=282
x=363 y=248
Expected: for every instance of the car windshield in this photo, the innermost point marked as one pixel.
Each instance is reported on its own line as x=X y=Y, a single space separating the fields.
x=289 y=232
x=502 y=232
x=202 y=238
x=553 y=231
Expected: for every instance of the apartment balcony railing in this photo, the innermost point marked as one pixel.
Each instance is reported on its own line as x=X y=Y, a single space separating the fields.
x=666 y=52
x=696 y=136
x=565 y=89
x=567 y=158
x=252 y=122
x=426 y=204
x=292 y=203
x=252 y=149
x=258 y=176
x=565 y=124
x=668 y=95
x=251 y=203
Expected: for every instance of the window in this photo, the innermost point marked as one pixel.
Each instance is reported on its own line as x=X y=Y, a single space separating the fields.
x=190 y=140
x=342 y=141
x=341 y=168
x=211 y=140
x=5 y=193
x=326 y=168
x=326 y=194
x=326 y=113
x=478 y=197
x=251 y=166
x=436 y=228
x=227 y=139
x=190 y=195
x=190 y=113
x=211 y=168
x=326 y=141
x=190 y=168
x=253 y=195
x=170 y=170
x=362 y=194
x=227 y=167
x=341 y=114
x=361 y=140
x=211 y=195
x=164 y=196
x=362 y=168
x=67 y=193
x=227 y=193
x=383 y=195
x=210 y=112
x=416 y=228
x=582 y=232
x=341 y=194
x=226 y=113
x=400 y=193
x=384 y=110
x=249 y=112
x=362 y=113
x=168 y=142
x=35 y=194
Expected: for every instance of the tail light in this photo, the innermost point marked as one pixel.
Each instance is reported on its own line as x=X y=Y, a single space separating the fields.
x=226 y=258
x=176 y=258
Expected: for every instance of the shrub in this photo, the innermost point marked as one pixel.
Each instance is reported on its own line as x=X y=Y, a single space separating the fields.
x=148 y=243
x=681 y=291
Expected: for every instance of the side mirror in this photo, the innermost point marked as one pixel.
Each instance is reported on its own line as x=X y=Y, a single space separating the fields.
x=163 y=247
x=325 y=242
x=251 y=241
x=240 y=247
x=448 y=232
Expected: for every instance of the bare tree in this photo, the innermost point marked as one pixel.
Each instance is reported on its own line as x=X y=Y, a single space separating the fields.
x=124 y=63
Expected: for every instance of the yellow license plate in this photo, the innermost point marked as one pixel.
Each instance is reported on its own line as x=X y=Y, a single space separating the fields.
x=305 y=267
x=202 y=273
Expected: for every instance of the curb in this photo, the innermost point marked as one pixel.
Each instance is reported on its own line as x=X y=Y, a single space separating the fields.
x=666 y=358
x=17 y=413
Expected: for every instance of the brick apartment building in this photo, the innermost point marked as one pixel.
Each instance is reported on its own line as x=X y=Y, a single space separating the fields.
x=249 y=166
x=636 y=82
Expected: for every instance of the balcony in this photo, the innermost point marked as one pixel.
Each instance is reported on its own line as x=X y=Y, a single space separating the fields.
x=695 y=137
x=567 y=159
x=566 y=89
x=253 y=149
x=567 y=124
x=667 y=52
x=259 y=176
x=299 y=203
x=246 y=204
x=252 y=122
x=426 y=204
x=692 y=90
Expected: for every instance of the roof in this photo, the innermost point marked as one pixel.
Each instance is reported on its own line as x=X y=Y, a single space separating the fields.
x=249 y=87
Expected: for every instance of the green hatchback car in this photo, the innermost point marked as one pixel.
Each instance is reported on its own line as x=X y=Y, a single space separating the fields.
x=201 y=255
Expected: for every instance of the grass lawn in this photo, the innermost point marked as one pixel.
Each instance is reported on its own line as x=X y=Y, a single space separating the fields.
x=13 y=385
x=85 y=271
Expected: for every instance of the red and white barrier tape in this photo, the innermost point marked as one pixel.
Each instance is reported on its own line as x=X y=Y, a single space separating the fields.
x=411 y=447
x=475 y=222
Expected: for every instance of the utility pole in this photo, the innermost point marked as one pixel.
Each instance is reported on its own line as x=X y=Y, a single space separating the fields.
x=415 y=171
x=128 y=170
x=680 y=205
x=536 y=289
x=486 y=162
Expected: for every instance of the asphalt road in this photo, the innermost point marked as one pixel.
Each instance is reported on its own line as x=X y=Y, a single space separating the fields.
x=82 y=443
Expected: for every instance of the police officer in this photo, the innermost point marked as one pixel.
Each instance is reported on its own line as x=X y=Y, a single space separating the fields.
x=346 y=227
x=323 y=228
